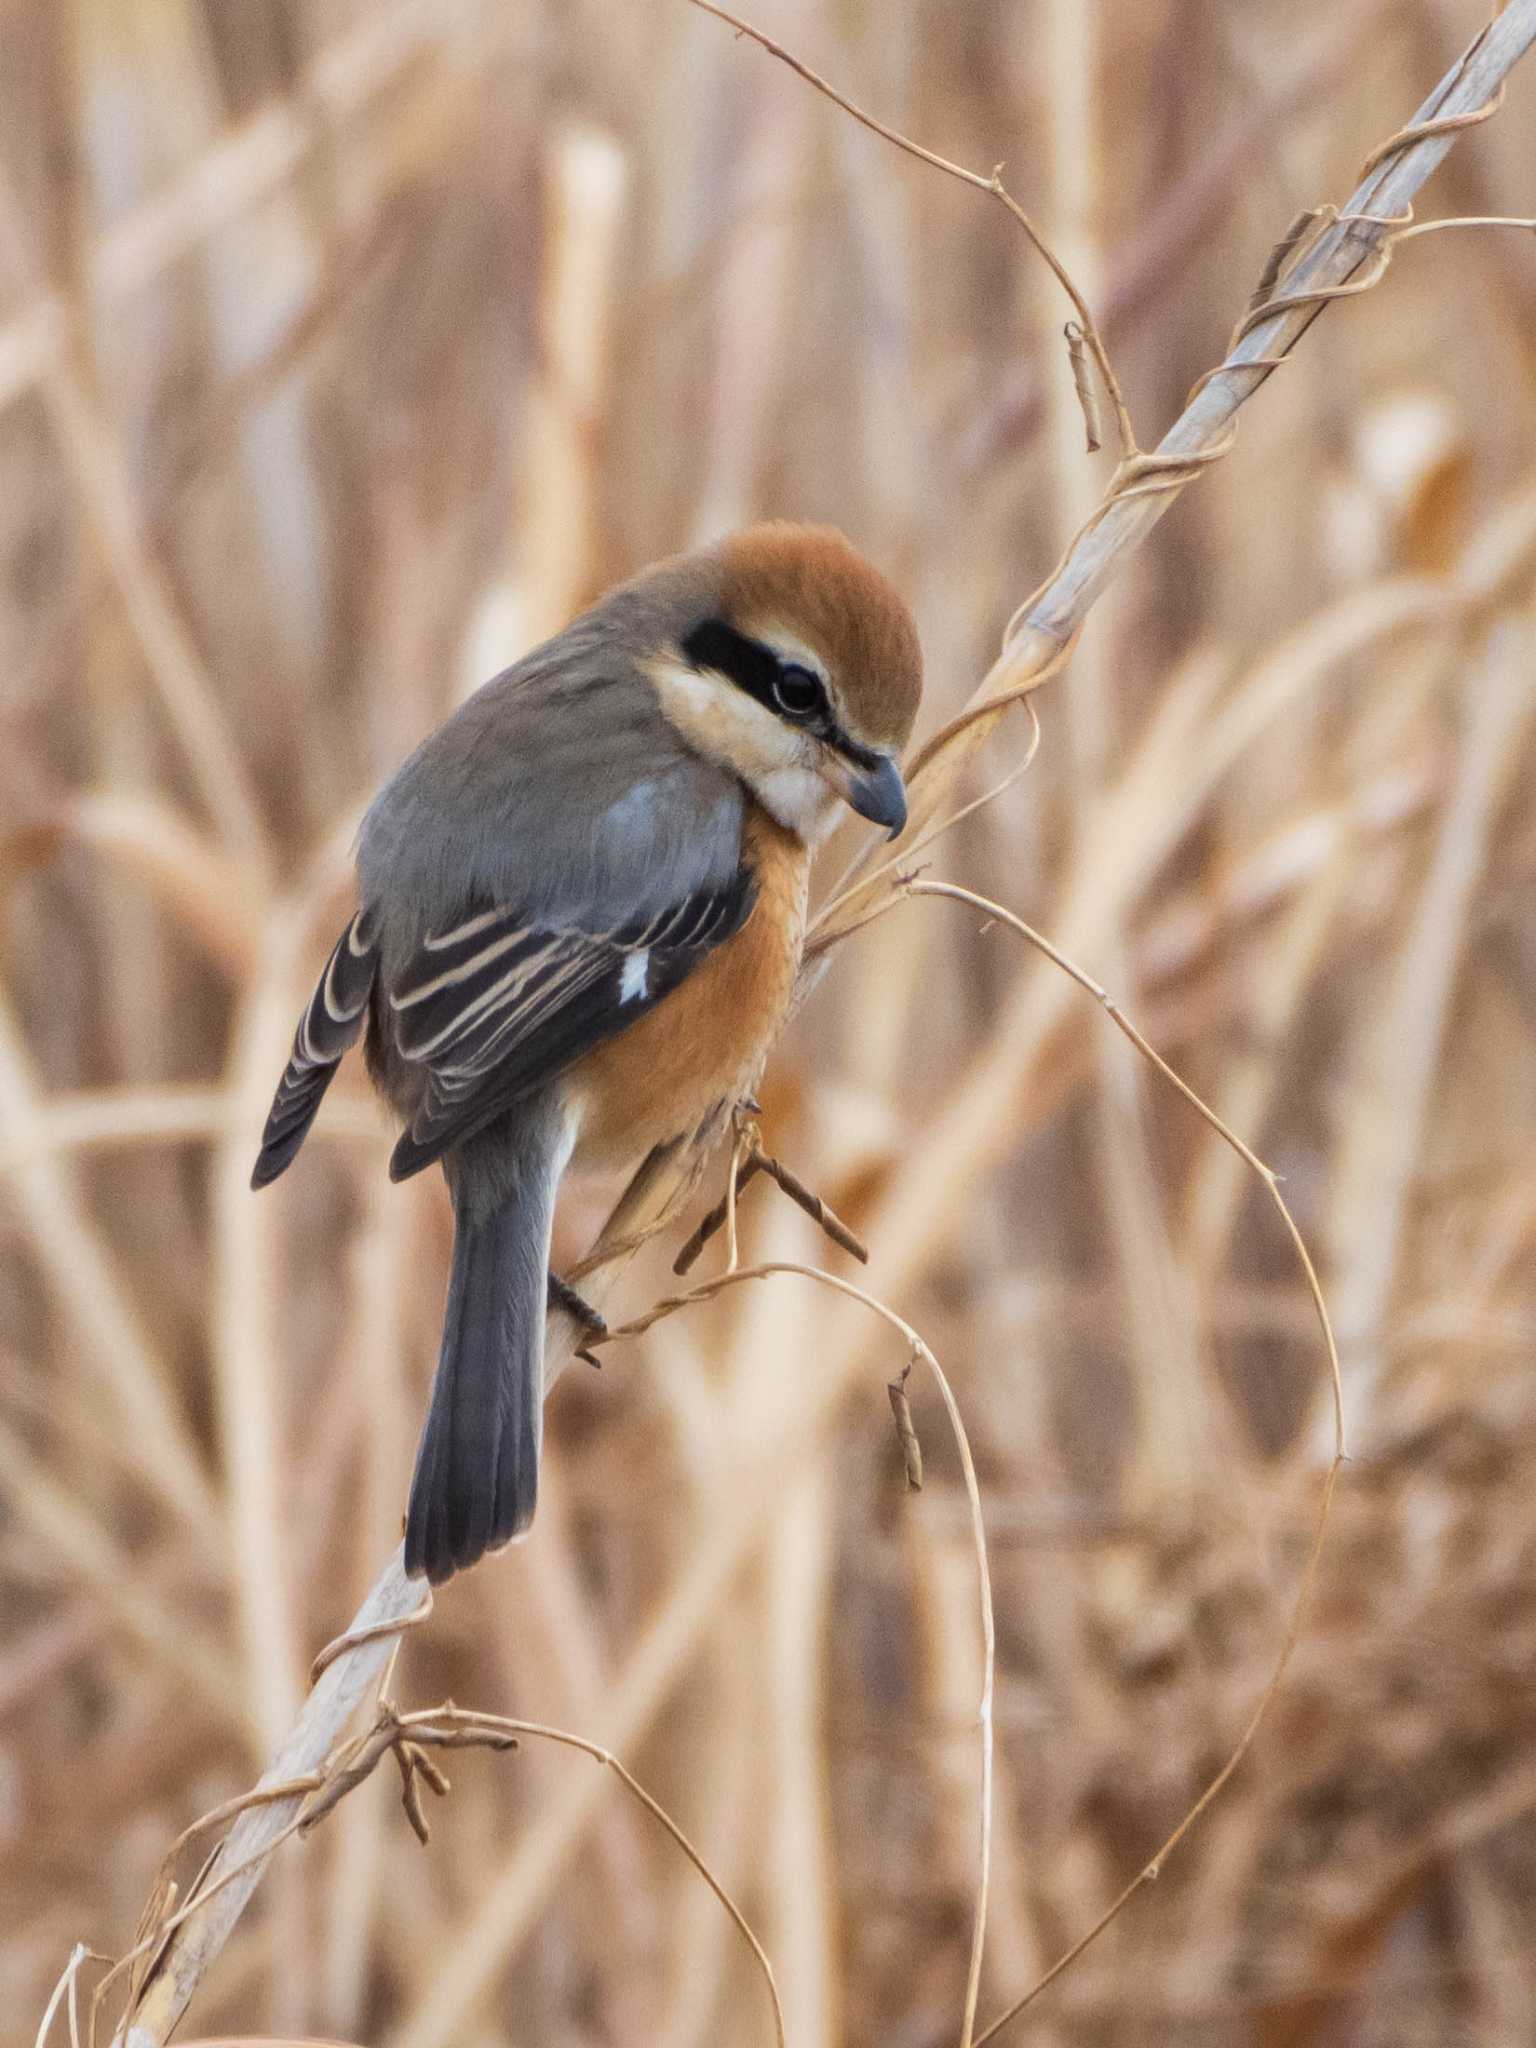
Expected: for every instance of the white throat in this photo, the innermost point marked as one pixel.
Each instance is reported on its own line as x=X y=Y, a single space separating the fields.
x=777 y=763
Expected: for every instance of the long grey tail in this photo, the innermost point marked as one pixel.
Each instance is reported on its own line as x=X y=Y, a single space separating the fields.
x=477 y=1471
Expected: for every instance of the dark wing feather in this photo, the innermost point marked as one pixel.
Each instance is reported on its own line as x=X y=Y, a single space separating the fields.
x=329 y=1025
x=499 y=1005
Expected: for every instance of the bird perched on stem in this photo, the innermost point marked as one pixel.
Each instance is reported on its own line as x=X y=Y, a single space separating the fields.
x=582 y=905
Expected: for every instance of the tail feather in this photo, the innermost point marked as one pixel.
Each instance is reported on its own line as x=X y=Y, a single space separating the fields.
x=477 y=1471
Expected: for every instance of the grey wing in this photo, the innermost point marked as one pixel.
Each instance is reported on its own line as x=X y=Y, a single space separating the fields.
x=544 y=868
x=491 y=1010
x=328 y=1026
x=558 y=787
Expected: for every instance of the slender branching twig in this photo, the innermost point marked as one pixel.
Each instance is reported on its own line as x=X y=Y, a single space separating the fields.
x=734 y=1275
x=996 y=913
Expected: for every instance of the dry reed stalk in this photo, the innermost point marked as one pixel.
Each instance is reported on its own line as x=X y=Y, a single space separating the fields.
x=727 y=1760
x=69 y=1248
x=1131 y=514
x=41 y=1503
x=1153 y=1321
x=247 y=166
x=410 y=1738
x=99 y=1120
x=183 y=871
x=587 y=189
x=1403 y=1053
x=186 y=691
x=1270 y=1182
x=1146 y=485
x=799 y=1862
x=928 y=990
x=757 y=292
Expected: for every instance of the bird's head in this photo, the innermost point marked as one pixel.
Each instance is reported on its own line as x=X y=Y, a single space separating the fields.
x=795 y=664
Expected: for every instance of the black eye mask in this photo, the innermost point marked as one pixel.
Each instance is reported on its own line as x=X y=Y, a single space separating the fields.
x=788 y=689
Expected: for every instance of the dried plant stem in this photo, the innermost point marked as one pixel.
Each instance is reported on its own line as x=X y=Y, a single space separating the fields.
x=1391 y=177
x=706 y=1290
x=992 y=185
x=652 y=1806
x=331 y=1704
x=236 y=175
x=345 y=1672
x=713 y=1221
x=91 y=1120
x=1149 y=1870
x=51 y=1211
x=1406 y=1051
x=1358 y=236
x=1464 y=220
x=748 y=1161
x=62 y=1991
x=1042 y=630
x=740 y=1153
x=301 y=1803
x=194 y=1934
x=186 y=690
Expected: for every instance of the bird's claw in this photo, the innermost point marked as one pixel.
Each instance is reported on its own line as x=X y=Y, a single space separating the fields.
x=563 y=1295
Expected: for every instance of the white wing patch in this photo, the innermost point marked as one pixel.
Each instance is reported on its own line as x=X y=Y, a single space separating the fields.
x=633 y=981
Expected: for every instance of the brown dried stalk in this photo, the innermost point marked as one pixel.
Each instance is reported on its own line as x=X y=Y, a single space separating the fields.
x=758 y=1161
x=906 y=1432
x=187 y=691
x=1039 y=636
x=1359 y=237
x=307 y=1801
x=707 y=1290
x=995 y=913
x=993 y=185
x=1082 y=383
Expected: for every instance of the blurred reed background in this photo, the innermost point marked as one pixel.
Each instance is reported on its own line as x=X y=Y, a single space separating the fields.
x=346 y=347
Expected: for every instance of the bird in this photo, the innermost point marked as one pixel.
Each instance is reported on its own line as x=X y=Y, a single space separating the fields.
x=581 y=908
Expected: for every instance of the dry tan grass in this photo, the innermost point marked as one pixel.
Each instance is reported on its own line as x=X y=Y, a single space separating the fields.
x=344 y=349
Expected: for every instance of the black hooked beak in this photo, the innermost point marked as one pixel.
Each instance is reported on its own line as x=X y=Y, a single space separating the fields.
x=872 y=786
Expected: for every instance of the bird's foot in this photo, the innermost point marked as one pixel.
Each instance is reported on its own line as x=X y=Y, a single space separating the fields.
x=563 y=1295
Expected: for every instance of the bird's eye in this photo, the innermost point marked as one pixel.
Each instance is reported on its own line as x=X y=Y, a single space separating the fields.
x=796 y=692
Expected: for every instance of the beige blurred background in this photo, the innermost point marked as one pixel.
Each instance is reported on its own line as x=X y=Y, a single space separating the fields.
x=347 y=347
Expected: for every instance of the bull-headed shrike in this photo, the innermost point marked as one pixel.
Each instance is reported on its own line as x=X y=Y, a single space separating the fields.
x=583 y=904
